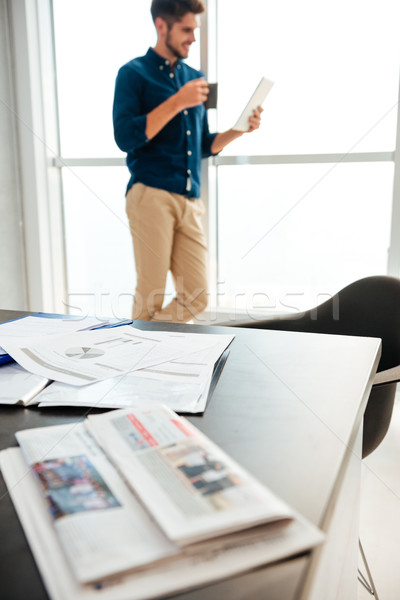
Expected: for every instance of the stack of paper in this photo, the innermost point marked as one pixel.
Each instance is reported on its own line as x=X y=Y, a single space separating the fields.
x=139 y=504
x=19 y=386
x=183 y=384
x=116 y=367
x=41 y=326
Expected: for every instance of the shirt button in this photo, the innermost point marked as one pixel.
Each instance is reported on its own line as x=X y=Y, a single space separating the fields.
x=161 y=67
x=188 y=132
x=178 y=66
x=171 y=75
x=185 y=112
x=188 y=171
x=189 y=153
x=167 y=62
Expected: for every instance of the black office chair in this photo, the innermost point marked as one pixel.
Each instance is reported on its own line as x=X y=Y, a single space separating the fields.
x=368 y=307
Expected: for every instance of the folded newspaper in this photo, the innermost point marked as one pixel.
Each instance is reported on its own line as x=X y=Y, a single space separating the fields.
x=138 y=503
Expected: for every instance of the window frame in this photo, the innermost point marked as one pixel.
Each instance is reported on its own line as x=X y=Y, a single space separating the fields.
x=35 y=94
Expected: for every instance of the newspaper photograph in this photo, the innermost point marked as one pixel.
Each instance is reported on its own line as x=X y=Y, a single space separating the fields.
x=101 y=527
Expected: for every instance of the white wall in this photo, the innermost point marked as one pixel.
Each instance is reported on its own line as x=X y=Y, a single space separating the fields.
x=12 y=263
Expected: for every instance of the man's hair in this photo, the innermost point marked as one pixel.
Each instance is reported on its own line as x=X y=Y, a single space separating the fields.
x=173 y=10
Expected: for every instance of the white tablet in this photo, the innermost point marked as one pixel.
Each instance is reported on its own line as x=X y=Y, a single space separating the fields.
x=258 y=97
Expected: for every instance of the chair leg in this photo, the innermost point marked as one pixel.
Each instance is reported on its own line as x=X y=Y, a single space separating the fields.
x=367 y=582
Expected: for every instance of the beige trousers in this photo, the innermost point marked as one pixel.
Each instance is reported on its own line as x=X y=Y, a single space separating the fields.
x=167 y=235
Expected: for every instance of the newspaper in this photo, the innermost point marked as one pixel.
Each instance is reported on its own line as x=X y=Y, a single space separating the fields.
x=190 y=486
x=101 y=526
x=184 y=572
x=93 y=537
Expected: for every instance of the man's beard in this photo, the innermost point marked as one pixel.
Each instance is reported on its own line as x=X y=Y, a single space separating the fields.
x=172 y=49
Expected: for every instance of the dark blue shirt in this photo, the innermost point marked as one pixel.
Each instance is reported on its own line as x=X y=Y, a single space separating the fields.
x=172 y=159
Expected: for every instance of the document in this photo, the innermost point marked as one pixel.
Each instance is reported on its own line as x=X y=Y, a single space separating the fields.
x=183 y=384
x=79 y=369
x=139 y=504
x=83 y=357
x=256 y=100
x=86 y=357
x=18 y=386
x=38 y=326
x=35 y=326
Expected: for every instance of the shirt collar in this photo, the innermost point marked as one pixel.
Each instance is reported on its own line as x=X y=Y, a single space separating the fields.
x=158 y=60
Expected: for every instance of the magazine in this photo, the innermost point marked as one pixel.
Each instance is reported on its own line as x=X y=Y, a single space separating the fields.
x=141 y=495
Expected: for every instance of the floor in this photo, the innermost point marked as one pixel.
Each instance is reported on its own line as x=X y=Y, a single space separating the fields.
x=380 y=513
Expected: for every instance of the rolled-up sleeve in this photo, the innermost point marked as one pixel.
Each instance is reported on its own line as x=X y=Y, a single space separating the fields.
x=129 y=124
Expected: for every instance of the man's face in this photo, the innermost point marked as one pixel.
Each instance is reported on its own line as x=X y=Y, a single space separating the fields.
x=181 y=35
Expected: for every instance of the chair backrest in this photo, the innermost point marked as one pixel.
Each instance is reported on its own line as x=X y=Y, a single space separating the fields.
x=368 y=307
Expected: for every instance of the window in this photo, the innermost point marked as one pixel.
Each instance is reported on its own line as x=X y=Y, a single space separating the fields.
x=290 y=234
x=99 y=256
x=93 y=39
x=297 y=209
x=335 y=67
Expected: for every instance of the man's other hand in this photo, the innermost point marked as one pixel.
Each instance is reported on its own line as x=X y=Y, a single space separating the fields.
x=255 y=119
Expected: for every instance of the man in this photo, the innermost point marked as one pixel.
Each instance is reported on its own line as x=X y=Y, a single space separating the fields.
x=160 y=121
